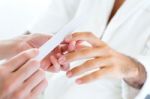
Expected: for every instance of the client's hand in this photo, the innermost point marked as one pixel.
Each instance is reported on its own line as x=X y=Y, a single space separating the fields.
x=103 y=59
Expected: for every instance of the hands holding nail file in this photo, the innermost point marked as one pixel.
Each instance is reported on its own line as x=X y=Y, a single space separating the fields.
x=51 y=44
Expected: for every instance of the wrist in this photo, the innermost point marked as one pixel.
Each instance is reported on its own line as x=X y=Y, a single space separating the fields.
x=137 y=81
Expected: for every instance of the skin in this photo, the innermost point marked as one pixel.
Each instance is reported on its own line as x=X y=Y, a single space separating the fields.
x=117 y=5
x=27 y=81
x=104 y=59
x=22 y=79
x=29 y=41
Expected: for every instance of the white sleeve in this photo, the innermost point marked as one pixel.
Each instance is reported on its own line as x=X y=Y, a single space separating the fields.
x=59 y=13
x=132 y=93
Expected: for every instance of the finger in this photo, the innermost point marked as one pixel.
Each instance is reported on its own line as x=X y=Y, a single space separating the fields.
x=82 y=54
x=20 y=59
x=88 y=66
x=72 y=46
x=89 y=37
x=38 y=89
x=78 y=47
x=46 y=63
x=94 y=76
x=30 y=84
x=64 y=48
x=75 y=45
x=34 y=80
x=26 y=71
x=65 y=67
x=57 y=51
x=52 y=69
x=55 y=63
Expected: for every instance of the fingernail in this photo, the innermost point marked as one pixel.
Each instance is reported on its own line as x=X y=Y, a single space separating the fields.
x=69 y=74
x=78 y=81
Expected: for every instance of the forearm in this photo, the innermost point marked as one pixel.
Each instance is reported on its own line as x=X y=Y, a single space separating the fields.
x=7 y=48
x=138 y=80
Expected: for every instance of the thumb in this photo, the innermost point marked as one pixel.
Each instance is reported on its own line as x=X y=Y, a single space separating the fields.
x=37 y=40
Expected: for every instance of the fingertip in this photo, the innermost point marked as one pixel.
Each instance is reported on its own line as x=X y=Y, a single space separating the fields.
x=56 y=65
x=53 y=69
x=34 y=51
x=57 y=68
x=69 y=74
x=65 y=67
x=79 y=81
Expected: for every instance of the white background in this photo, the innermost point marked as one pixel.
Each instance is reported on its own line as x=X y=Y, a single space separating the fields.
x=17 y=15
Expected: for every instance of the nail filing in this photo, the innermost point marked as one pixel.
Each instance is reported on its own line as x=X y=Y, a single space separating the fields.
x=51 y=44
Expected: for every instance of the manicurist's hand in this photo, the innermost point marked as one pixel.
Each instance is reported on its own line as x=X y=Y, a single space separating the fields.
x=9 y=48
x=21 y=77
x=103 y=59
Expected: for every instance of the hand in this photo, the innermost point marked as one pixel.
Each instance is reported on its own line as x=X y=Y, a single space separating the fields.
x=50 y=62
x=101 y=58
x=21 y=78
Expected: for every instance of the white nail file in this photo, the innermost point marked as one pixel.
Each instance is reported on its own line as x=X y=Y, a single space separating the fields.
x=51 y=44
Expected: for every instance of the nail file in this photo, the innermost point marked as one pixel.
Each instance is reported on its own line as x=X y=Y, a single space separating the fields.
x=51 y=44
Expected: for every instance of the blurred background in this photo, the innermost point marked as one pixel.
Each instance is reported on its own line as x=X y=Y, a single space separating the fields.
x=16 y=16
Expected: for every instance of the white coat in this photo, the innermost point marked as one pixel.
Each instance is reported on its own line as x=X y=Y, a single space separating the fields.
x=128 y=32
